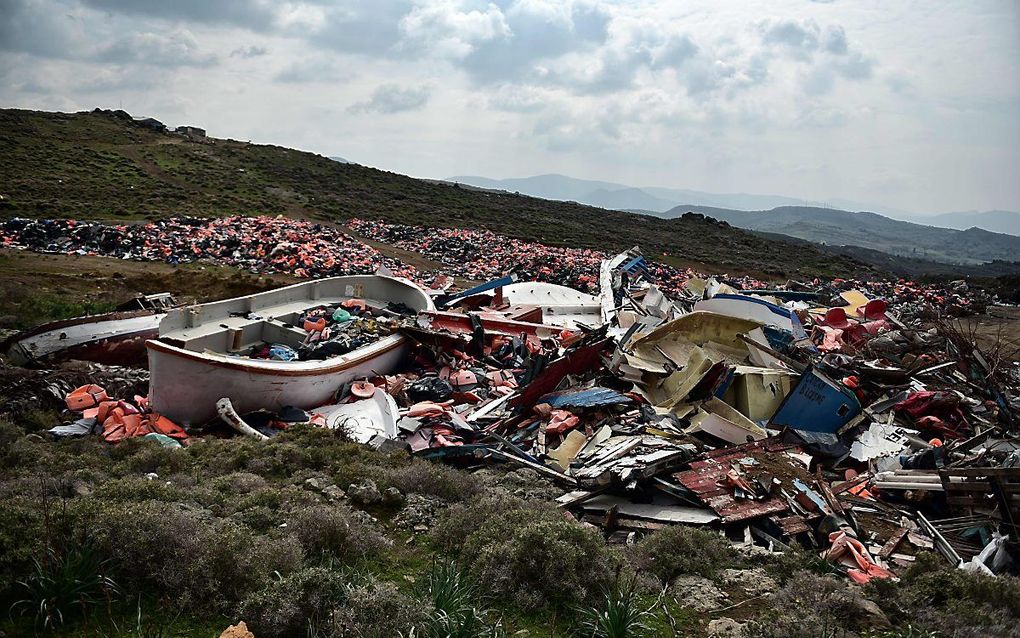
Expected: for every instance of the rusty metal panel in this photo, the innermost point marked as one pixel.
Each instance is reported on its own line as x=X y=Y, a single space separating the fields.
x=708 y=483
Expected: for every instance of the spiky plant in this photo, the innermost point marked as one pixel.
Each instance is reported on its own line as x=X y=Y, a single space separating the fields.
x=620 y=615
x=64 y=584
x=453 y=596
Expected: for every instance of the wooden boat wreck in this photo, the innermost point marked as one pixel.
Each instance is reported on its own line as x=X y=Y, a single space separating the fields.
x=113 y=338
x=198 y=357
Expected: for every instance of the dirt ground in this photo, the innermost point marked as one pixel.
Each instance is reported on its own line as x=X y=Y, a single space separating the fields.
x=35 y=288
x=998 y=329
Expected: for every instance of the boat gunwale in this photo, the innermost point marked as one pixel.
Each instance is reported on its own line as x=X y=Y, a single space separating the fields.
x=282 y=368
x=58 y=324
x=311 y=283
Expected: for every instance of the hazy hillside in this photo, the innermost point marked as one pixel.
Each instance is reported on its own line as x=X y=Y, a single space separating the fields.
x=97 y=166
x=999 y=221
x=558 y=187
x=655 y=200
x=870 y=230
x=626 y=199
x=622 y=196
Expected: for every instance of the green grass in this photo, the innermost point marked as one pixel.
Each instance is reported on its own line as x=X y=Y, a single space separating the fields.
x=45 y=307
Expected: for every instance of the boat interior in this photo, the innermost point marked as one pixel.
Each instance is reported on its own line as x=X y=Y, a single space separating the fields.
x=235 y=326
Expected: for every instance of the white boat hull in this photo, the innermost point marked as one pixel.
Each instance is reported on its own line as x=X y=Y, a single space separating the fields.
x=198 y=358
x=114 y=339
x=185 y=386
x=561 y=306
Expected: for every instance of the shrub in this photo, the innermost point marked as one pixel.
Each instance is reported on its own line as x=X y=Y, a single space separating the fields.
x=239 y=483
x=677 y=550
x=140 y=489
x=460 y=520
x=9 y=433
x=538 y=563
x=200 y=562
x=432 y=479
x=58 y=457
x=39 y=420
x=782 y=566
x=225 y=456
x=291 y=605
x=809 y=606
x=932 y=596
x=243 y=562
x=376 y=609
x=142 y=456
x=265 y=504
x=336 y=531
x=29 y=523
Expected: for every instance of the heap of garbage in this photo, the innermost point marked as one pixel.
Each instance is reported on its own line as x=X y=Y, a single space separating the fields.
x=260 y=244
x=483 y=255
x=268 y=245
x=853 y=418
x=774 y=417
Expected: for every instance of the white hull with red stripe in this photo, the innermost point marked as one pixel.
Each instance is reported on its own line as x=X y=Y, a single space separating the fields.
x=195 y=361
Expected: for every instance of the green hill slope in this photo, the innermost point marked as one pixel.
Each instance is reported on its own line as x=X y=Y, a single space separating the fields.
x=94 y=165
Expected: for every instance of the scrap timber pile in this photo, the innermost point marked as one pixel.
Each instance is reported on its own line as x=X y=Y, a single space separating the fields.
x=852 y=418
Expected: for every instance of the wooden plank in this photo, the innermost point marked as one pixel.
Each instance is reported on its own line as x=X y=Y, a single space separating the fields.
x=650 y=511
x=890 y=546
x=792 y=525
x=538 y=467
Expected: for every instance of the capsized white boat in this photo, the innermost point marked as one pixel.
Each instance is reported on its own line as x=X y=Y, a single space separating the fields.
x=195 y=361
x=113 y=338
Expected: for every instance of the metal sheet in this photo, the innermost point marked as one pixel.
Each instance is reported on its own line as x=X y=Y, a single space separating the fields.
x=816 y=404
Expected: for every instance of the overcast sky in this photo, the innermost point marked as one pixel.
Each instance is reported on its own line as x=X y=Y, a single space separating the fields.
x=911 y=104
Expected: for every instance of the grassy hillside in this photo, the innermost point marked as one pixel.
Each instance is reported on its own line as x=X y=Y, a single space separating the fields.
x=869 y=230
x=93 y=165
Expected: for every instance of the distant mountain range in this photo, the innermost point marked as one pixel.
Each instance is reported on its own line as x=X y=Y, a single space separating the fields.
x=998 y=221
x=869 y=230
x=623 y=197
x=659 y=201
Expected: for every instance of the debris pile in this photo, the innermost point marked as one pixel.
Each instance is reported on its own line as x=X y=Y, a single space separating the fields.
x=267 y=245
x=484 y=255
x=774 y=417
x=259 y=244
x=331 y=331
x=480 y=255
x=852 y=418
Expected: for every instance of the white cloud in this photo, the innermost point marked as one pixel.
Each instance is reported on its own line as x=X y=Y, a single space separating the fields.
x=156 y=49
x=391 y=98
x=445 y=30
x=810 y=99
